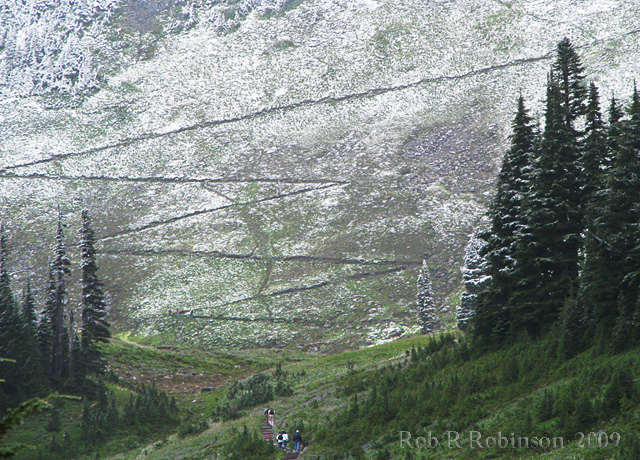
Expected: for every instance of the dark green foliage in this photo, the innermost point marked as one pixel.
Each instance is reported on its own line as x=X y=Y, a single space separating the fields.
x=150 y=406
x=572 y=326
x=630 y=448
x=95 y=328
x=593 y=155
x=16 y=416
x=148 y=410
x=191 y=429
x=547 y=259
x=569 y=72
x=610 y=279
x=258 y=389
x=248 y=445
x=442 y=391
x=563 y=250
x=54 y=424
x=28 y=307
x=491 y=322
x=54 y=310
x=545 y=407
x=23 y=376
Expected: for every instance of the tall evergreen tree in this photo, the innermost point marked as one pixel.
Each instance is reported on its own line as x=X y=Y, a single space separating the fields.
x=57 y=300
x=548 y=258
x=45 y=327
x=427 y=317
x=475 y=280
x=593 y=161
x=95 y=328
x=594 y=152
x=24 y=376
x=34 y=378
x=601 y=275
x=10 y=329
x=613 y=130
x=627 y=171
x=29 y=306
x=572 y=91
x=491 y=322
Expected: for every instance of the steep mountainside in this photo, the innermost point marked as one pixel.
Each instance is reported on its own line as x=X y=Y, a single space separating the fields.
x=279 y=167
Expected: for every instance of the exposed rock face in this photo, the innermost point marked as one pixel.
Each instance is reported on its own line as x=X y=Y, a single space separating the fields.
x=278 y=167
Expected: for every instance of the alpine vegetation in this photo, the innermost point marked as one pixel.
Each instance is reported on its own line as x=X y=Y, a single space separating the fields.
x=563 y=239
x=52 y=352
x=474 y=279
x=427 y=316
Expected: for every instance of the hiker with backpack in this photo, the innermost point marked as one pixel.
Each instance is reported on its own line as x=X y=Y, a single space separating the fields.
x=297 y=440
x=285 y=440
x=280 y=440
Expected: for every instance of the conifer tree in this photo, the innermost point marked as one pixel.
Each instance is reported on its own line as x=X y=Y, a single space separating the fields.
x=95 y=328
x=569 y=74
x=491 y=321
x=29 y=306
x=474 y=279
x=24 y=376
x=613 y=130
x=56 y=303
x=427 y=317
x=593 y=161
x=547 y=264
x=45 y=328
x=10 y=330
x=9 y=320
x=594 y=152
x=626 y=170
x=33 y=375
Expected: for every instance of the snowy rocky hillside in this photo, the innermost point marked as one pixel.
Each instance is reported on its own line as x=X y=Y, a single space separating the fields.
x=280 y=167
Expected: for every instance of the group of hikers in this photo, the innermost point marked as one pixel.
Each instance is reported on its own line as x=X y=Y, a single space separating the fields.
x=283 y=437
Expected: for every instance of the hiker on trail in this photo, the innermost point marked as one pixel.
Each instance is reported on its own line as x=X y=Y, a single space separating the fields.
x=169 y=311
x=297 y=440
x=191 y=313
x=271 y=419
x=280 y=439
x=285 y=440
x=177 y=312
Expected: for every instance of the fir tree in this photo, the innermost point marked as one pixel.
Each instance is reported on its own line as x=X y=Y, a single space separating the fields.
x=507 y=223
x=45 y=328
x=427 y=317
x=29 y=306
x=474 y=278
x=628 y=241
x=601 y=275
x=10 y=330
x=56 y=302
x=609 y=281
x=572 y=91
x=95 y=328
x=547 y=261
x=593 y=161
x=594 y=152
x=24 y=377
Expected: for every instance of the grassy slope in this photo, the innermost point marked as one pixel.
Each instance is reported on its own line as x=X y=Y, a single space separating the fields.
x=317 y=398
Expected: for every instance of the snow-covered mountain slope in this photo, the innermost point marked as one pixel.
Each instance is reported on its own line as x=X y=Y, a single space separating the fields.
x=279 y=167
